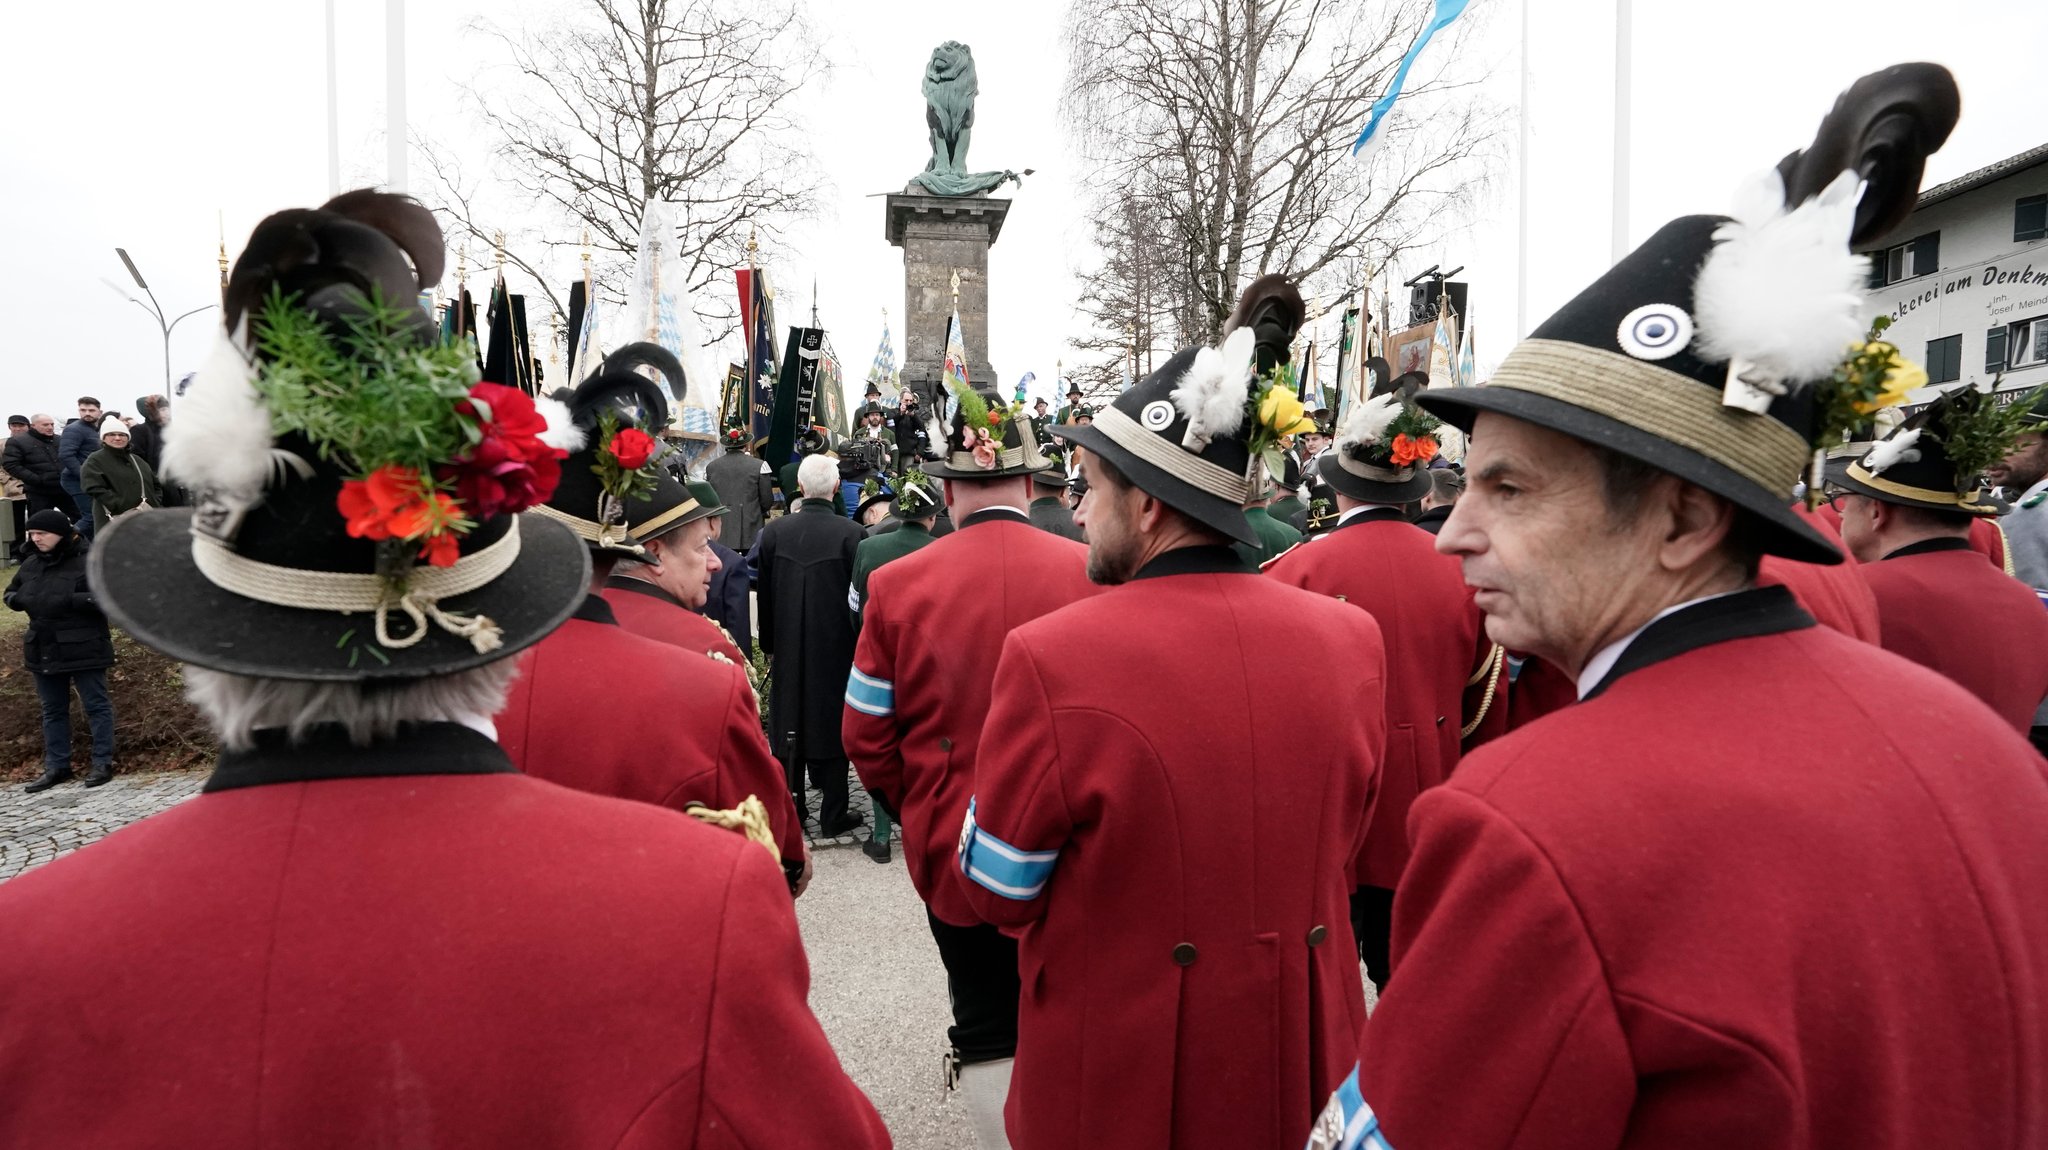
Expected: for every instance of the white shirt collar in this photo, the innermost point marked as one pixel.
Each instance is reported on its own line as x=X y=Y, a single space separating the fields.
x=1605 y=658
x=1361 y=509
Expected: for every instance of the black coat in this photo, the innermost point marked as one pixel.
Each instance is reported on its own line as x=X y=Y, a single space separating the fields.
x=727 y=603
x=745 y=486
x=805 y=571
x=1050 y=513
x=66 y=631
x=1432 y=520
x=32 y=458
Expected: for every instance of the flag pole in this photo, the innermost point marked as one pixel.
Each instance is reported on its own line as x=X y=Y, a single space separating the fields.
x=394 y=94
x=333 y=112
x=1623 y=37
x=1522 y=194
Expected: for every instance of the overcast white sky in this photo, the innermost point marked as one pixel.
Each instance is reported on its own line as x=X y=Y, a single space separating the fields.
x=139 y=124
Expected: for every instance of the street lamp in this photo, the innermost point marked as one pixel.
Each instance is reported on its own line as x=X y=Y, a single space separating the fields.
x=156 y=311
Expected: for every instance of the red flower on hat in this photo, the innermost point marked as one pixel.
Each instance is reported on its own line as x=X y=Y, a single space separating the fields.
x=398 y=503
x=1407 y=449
x=509 y=469
x=632 y=447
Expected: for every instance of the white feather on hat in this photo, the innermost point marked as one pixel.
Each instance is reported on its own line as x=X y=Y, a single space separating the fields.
x=1781 y=291
x=562 y=433
x=1897 y=449
x=1366 y=425
x=1212 y=394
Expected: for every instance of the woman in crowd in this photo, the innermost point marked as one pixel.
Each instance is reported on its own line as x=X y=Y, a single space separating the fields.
x=68 y=645
x=117 y=479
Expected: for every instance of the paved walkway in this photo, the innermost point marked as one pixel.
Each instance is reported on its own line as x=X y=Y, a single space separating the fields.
x=37 y=828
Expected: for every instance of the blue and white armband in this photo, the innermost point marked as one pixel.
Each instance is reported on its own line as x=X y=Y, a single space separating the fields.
x=869 y=695
x=999 y=867
x=1347 y=1123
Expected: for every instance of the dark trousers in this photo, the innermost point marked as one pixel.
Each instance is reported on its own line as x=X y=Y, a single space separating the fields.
x=981 y=977
x=829 y=777
x=1372 y=920
x=83 y=505
x=20 y=508
x=55 y=692
x=2040 y=737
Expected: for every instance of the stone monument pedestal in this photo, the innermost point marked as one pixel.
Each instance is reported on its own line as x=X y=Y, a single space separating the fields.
x=941 y=235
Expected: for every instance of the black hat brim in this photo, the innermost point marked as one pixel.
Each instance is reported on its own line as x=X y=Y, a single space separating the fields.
x=1210 y=510
x=937 y=469
x=1330 y=471
x=1783 y=532
x=144 y=577
x=1838 y=473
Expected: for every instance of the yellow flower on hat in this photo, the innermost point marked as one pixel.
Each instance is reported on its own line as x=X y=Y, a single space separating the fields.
x=1901 y=376
x=1282 y=411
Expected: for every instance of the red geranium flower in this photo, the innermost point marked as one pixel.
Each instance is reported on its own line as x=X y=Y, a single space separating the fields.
x=510 y=469
x=1413 y=449
x=442 y=549
x=387 y=505
x=632 y=448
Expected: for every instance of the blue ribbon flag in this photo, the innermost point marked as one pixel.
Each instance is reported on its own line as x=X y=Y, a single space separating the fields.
x=1369 y=140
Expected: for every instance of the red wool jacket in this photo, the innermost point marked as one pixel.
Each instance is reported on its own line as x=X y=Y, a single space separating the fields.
x=932 y=629
x=1835 y=595
x=1171 y=841
x=652 y=613
x=1767 y=887
x=453 y=955
x=1380 y=562
x=600 y=709
x=1948 y=610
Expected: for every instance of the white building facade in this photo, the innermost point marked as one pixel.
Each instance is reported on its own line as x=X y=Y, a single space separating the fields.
x=1965 y=279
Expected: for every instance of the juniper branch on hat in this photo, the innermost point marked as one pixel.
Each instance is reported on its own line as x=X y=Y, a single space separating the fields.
x=619 y=412
x=1936 y=460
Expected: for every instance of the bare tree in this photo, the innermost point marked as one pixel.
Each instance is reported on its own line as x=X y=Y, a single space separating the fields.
x=1229 y=122
x=628 y=101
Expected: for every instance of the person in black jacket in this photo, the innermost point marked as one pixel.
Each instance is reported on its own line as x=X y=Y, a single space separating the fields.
x=32 y=458
x=68 y=645
x=80 y=438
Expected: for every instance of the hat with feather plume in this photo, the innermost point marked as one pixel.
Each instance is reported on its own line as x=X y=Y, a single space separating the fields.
x=1713 y=351
x=619 y=413
x=356 y=487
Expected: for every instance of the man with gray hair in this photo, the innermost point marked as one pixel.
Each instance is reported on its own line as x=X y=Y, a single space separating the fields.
x=806 y=571
x=386 y=934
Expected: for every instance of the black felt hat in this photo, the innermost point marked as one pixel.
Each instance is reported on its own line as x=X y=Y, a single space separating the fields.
x=1700 y=352
x=670 y=505
x=263 y=577
x=619 y=396
x=874 y=492
x=1912 y=466
x=1180 y=433
x=917 y=497
x=1375 y=458
x=1051 y=477
x=1015 y=452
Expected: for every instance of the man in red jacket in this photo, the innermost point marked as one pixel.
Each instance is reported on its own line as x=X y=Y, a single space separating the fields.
x=369 y=930
x=658 y=593
x=933 y=627
x=1376 y=560
x=1907 y=513
x=1761 y=875
x=701 y=743
x=1170 y=841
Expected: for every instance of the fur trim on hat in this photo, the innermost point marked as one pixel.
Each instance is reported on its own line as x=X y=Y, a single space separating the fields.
x=1213 y=393
x=1781 y=291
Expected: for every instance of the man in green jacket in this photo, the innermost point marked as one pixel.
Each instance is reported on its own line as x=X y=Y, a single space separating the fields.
x=1274 y=536
x=916 y=504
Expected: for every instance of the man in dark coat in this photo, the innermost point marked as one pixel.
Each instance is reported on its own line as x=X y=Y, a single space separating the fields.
x=67 y=646
x=732 y=587
x=1725 y=941
x=80 y=439
x=1049 y=510
x=805 y=573
x=32 y=458
x=1445 y=486
x=747 y=489
x=406 y=941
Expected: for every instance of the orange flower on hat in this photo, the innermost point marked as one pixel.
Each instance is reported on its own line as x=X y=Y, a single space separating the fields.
x=396 y=503
x=1407 y=449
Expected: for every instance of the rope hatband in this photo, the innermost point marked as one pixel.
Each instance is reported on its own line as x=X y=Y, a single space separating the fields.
x=349 y=591
x=1189 y=468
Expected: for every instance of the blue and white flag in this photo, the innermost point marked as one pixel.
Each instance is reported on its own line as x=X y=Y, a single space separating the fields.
x=882 y=372
x=1468 y=367
x=1374 y=135
x=1024 y=382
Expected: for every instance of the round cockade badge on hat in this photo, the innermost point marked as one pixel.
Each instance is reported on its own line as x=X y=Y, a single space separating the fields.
x=356 y=487
x=1655 y=331
x=1156 y=416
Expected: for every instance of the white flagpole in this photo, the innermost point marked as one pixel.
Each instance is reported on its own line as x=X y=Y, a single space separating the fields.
x=394 y=94
x=333 y=112
x=1522 y=194
x=1623 y=35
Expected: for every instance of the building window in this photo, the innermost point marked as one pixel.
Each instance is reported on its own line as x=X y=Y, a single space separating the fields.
x=1918 y=256
x=2027 y=342
x=1945 y=359
x=2030 y=219
x=1994 y=350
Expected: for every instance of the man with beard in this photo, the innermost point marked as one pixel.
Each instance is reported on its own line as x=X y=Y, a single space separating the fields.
x=2022 y=476
x=1168 y=840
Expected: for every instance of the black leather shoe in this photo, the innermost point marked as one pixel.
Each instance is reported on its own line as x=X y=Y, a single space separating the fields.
x=51 y=777
x=100 y=776
x=840 y=826
x=876 y=849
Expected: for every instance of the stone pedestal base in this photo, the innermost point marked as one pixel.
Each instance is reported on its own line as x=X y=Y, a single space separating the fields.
x=940 y=235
